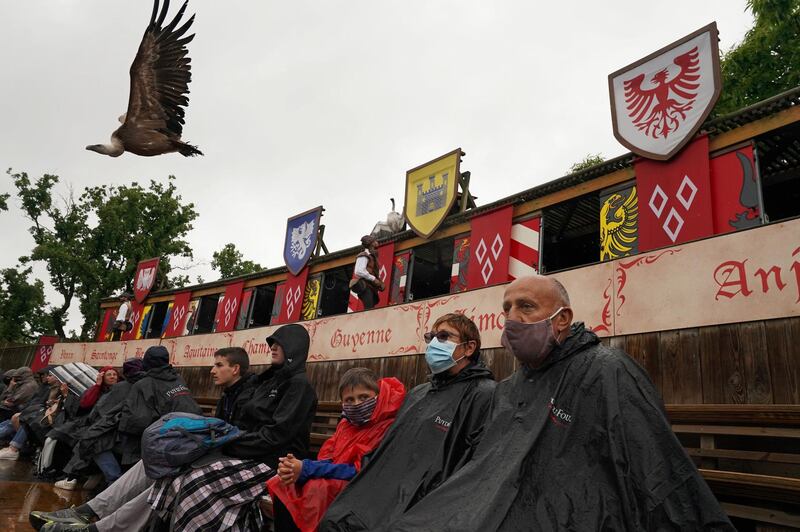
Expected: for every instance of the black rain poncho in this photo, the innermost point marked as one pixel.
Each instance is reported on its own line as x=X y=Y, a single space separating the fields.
x=436 y=430
x=277 y=412
x=159 y=392
x=581 y=443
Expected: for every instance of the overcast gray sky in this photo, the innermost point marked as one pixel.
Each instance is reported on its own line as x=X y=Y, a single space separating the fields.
x=300 y=103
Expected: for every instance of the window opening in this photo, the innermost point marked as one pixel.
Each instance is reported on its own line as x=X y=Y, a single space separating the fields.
x=431 y=268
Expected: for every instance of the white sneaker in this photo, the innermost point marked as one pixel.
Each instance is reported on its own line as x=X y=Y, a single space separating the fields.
x=66 y=484
x=9 y=454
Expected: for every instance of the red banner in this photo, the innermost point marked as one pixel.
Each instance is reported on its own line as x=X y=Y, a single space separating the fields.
x=145 y=278
x=43 y=351
x=734 y=191
x=228 y=308
x=291 y=301
x=458 y=272
x=104 y=332
x=490 y=240
x=180 y=311
x=675 y=198
x=135 y=317
x=397 y=293
x=525 y=248
x=244 y=309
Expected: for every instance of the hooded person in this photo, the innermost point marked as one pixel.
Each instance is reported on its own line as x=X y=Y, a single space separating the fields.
x=578 y=439
x=160 y=391
x=435 y=433
x=275 y=419
x=22 y=389
x=308 y=487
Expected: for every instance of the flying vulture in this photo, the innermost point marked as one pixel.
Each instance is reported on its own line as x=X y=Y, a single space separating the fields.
x=160 y=76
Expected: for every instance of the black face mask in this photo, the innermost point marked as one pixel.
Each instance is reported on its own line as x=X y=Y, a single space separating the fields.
x=361 y=413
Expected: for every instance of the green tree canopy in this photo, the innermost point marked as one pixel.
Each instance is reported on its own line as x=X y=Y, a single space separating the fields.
x=767 y=61
x=23 y=315
x=230 y=263
x=92 y=244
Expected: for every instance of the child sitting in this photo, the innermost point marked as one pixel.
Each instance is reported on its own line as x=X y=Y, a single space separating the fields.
x=307 y=487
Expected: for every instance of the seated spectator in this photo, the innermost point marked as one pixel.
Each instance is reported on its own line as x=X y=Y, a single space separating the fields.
x=97 y=439
x=5 y=378
x=21 y=390
x=369 y=407
x=578 y=439
x=33 y=415
x=159 y=392
x=276 y=421
x=435 y=433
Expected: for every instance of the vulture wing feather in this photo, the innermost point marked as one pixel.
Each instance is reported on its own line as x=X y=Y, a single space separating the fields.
x=160 y=74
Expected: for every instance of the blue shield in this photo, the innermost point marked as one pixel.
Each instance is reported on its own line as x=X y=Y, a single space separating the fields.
x=301 y=239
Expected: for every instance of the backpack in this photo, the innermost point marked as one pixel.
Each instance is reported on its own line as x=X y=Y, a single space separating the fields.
x=177 y=439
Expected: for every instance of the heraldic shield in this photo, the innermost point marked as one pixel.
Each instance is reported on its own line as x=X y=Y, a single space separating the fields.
x=431 y=192
x=658 y=103
x=145 y=278
x=301 y=239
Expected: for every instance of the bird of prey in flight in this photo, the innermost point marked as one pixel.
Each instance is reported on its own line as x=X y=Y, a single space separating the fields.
x=160 y=76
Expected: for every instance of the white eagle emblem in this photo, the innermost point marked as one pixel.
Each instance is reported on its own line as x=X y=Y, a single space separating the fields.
x=301 y=239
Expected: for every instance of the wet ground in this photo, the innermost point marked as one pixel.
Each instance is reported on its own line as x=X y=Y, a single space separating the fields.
x=20 y=493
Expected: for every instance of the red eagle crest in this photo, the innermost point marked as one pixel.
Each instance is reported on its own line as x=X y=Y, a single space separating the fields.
x=659 y=111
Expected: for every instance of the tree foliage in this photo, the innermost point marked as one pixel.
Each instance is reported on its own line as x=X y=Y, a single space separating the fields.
x=230 y=263
x=767 y=61
x=590 y=160
x=23 y=315
x=91 y=244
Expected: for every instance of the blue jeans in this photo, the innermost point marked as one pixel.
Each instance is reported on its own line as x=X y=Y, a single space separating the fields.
x=108 y=465
x=7 y=430
x=20 y=439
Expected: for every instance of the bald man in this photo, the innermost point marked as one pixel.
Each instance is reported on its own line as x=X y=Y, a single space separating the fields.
x=577 y=440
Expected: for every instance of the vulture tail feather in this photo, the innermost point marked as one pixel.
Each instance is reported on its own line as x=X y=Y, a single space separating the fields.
x=187 y=150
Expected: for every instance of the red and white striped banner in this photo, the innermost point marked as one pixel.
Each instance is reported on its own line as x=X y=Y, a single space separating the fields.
x=525 y=248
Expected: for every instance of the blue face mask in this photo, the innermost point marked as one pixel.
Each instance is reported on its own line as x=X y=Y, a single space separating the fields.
x=439 y=355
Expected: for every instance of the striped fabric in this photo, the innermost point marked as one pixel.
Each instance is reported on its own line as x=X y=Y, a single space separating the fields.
x=524 y=248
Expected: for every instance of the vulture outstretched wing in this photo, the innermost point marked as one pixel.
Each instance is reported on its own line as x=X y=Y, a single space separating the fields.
x=160 y=74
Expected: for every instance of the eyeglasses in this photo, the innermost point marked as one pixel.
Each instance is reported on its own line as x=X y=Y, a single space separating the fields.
x=442 y=336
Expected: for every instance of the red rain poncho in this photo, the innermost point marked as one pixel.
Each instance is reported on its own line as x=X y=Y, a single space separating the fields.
x=348 y=445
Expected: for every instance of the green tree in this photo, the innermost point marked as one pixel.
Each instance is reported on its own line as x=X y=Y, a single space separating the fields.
x=4 y=201
x=767 y=61
x=590 y=160
x=23 y=315
x=91 y=245
x=230 y=263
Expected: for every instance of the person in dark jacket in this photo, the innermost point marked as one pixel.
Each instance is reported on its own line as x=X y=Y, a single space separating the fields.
x=578 y=439
x=435 y=433
x=159 y=392
x=96 y=441
x=21 y=390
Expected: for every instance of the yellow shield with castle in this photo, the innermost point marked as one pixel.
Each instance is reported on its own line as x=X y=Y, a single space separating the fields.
x=431 y=192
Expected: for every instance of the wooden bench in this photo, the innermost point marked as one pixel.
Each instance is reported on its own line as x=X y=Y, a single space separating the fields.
x=326 y=418
x=208 y=404
x=748 y=454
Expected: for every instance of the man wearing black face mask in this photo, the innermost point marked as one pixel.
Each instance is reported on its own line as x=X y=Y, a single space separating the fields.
x=578 y=439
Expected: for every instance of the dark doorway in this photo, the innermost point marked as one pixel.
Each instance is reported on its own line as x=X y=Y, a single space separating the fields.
x=778 y=156
x=158 y=315
x=430 y=270
x=206 y=312
x=261 y=305
x=335 y=291
x=571 y=234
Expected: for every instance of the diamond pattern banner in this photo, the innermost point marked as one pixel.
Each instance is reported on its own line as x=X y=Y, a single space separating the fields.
x=291 y=298
x=228 y=308
x=490 y=239
x=675 y=198
x=179 y=314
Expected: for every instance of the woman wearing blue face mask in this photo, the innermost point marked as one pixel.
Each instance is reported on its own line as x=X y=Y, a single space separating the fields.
x=439 y=425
